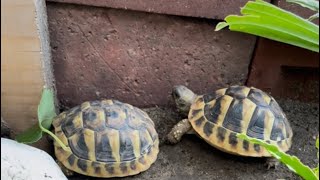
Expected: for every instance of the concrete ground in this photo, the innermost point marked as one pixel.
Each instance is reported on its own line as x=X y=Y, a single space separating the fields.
x=192 y=158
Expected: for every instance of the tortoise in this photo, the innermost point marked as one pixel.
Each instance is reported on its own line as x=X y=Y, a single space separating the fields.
x=219 y=116
x=105 y=138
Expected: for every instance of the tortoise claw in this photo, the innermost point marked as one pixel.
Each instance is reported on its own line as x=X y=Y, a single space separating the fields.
x=272 y=163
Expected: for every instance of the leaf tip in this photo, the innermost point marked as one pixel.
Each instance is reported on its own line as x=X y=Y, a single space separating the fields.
x=221 y=25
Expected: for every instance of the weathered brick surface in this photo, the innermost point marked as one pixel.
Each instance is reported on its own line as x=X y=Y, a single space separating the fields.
x=296 y=9
x=138 y=57
x=285 y=70
x=212 y=9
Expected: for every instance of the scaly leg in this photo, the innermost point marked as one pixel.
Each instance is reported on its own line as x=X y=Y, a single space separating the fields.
x=191 y=131
x=178 y=131
x=272 y=163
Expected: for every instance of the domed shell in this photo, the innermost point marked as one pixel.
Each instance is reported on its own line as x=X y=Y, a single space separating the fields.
x=220 y=116
x=107 y=138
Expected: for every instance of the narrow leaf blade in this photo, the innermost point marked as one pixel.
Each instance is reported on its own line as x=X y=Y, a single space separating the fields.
x=310 y=4
x=272 y=12
x=263 y=19
x=313 y=17
x=292 y=162
x=317 y=146
x=273 y=34
x=221 y=25
x=316 y=171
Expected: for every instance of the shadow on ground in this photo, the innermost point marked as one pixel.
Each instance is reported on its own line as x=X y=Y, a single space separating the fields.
x=193 y=159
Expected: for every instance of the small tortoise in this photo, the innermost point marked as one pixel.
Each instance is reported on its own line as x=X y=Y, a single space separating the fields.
x=106 y=139
x=219 y=117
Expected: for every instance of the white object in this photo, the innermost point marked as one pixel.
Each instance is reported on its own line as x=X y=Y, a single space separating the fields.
x=24 y=162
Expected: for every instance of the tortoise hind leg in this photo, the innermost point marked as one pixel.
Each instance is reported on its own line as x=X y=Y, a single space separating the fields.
x=178 y=131
x=65 y=171
x=272 y=163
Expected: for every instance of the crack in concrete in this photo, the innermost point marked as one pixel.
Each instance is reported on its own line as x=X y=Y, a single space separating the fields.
x=109 y=19
x=143 y=98
x=109 y=66
x=150 y=70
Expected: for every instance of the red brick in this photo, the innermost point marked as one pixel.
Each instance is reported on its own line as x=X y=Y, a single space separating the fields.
x=212 y=9
x=296 y=9
x=285 y=71
x=138 y=57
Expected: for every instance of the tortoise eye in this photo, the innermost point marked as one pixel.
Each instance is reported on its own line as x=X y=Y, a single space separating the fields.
x=175 y=94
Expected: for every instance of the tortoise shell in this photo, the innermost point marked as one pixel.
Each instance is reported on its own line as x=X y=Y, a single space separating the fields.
x=220 y=116
x=107 y=139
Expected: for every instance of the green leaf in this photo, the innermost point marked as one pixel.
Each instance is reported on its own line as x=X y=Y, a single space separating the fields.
x=46 y=114
x=266 y=20
x=317 y=146
x=292 y=162
x=251 y=25
x=221 y=25
x=46 y=108
x=313 y=17
x=266 y=10
x=31 y=135
x=316 y=171
x=310 y=4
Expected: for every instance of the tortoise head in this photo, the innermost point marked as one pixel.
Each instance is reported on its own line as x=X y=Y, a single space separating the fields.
x=183 y=98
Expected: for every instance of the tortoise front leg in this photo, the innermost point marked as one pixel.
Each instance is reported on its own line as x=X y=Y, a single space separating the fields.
x=178 y=131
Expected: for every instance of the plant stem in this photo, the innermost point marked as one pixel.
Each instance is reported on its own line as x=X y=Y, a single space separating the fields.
x=64 y=147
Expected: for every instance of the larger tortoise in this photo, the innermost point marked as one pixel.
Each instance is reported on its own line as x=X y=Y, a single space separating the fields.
x=218 y=118
x=106 y=139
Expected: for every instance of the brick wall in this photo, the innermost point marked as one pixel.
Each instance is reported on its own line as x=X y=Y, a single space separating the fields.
x=136 y=52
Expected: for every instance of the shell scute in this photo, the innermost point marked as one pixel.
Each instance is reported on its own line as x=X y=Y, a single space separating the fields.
x=218 y=117
x=107 y=139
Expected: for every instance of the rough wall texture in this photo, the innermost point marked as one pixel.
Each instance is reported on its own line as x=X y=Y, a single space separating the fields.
x=212 y=9
x=297 y=9
x=285 y=70
x=137 y=57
